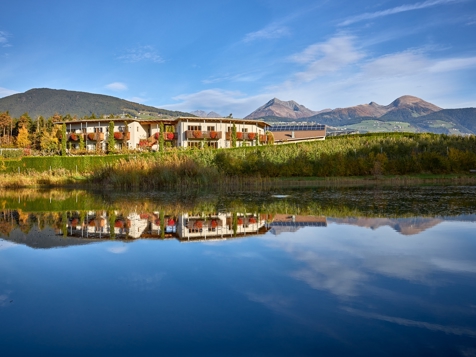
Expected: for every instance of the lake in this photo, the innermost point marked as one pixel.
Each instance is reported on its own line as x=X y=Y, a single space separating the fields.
x=326 y=271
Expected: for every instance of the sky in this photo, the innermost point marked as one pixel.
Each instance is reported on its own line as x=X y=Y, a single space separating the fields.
x=232 y=56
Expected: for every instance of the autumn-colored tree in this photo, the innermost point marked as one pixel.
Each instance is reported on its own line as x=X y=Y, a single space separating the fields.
x=5 y=125
x=56 y=118
x=49 y=140
x=23 y=140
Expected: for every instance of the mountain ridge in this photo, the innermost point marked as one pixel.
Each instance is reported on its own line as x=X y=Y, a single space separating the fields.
x=47 y=102
x=422 y=115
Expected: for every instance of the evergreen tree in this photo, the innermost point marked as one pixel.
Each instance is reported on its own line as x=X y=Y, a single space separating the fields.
x=161 y=137
x=233 y=136
x=63 y=139
x=111 y=143
x=81 y=141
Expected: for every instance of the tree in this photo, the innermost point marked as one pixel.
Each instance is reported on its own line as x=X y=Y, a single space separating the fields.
x=6 y=125
x=161 y=137
x=111 y=143
x=233 y=136
x=81 y=141
x=23 y=140
x=63 y=139
x=49 y=141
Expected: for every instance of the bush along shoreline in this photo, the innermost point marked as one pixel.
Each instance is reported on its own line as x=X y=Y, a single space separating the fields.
x=364 y=156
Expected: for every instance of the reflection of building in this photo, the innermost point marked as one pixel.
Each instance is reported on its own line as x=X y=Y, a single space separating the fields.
x=219 y=226
x=183 y=227
x=291 y=223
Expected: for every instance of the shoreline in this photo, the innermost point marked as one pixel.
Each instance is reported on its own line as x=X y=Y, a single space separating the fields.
x=20 y=181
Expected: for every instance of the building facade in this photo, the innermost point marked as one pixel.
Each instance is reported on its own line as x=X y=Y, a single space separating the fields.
x=177 y=132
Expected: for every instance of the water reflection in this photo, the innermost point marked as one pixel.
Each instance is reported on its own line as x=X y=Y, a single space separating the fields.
x=314 y=273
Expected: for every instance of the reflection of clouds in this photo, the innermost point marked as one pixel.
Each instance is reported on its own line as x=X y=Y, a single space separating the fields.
x=271 y=301
x=6 y=244
x=454 y=330
x=342 y=259
x=326 y=273
x=144 y=282
x=118 y=249
x=5 y=299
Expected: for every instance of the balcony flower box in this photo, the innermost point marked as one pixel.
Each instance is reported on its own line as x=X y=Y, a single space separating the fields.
x=263 y=138
x=239 y=135
x=251 y=136
x=197 y=134
x=122 y=136
x=169 y=136
x=96 y=136
x=73 y=137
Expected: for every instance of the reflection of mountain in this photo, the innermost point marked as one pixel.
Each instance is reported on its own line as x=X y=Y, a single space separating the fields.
x=405 y=226
x=44 y=239
x=283 y=223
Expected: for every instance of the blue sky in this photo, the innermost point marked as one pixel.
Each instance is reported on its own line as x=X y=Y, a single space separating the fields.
x=233 y=56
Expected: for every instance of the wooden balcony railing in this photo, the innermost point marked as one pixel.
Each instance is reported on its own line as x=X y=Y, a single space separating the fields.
x=240 y=136
x=118 y=135
x=95 y=136
x=200 y=135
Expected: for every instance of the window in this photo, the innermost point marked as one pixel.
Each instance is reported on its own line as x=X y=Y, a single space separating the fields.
x=194 y=127
x=210 y=128
x=195 y=144
x=211 y=144
x=244 y=130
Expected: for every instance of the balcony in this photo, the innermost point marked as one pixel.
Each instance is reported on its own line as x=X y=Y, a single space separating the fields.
x=200 y=135
x=168 y=136
x=240 y=136
x=75 y=137
x=95 y=136
x=118 y=135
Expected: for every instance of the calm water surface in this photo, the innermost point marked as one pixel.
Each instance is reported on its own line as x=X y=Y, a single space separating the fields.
x=327 y=272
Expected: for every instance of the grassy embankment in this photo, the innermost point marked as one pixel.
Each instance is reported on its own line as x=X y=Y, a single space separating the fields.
x=396 y=157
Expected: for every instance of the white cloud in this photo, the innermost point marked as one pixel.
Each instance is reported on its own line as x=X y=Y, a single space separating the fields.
x=453 y=64
x=118 y=249
x=137 y=99
x=116 y=86
x=4 y=92
x=142 y=53
x=395 y=10
x=326 y=57
x=4 y=39
x=269 y=32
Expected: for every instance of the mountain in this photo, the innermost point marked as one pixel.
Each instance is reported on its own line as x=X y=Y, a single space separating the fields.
x=405 y=108
x=204 y=114
x=47 y=102
x=276 y=108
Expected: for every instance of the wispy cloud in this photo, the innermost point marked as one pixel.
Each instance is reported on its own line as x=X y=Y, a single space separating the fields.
x=454 y=330
x=137 y=99
x=118 y=249
x=272 y=31
x=221 y=101
x=116 y=86
x=395 y=10
x=326 y=57
x=453 y=64
x=240 y=77
x=6 y=92
x=4 y=39
x=142 y=53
